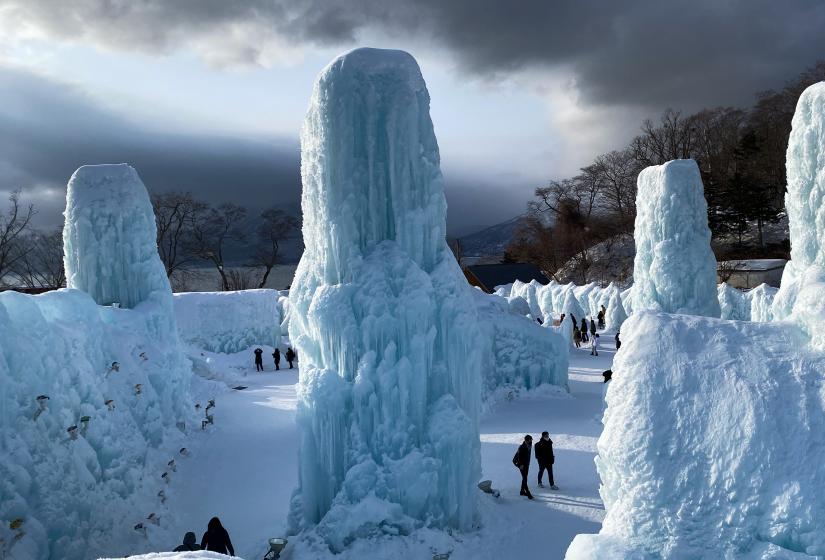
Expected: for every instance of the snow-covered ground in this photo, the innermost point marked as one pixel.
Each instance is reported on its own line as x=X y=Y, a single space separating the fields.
x=244 y=468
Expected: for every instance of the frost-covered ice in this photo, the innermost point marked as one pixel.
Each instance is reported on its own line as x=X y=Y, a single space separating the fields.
x=674 y=269
x=803 y=280
x=712 y=442
x=616 y=314
x=116 y=374
x=229 y=322
x=382 y=317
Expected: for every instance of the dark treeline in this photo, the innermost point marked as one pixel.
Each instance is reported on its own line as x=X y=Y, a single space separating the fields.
x=741 y=155
x=191 y=233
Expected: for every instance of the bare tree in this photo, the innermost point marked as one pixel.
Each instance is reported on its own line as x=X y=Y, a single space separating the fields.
x=240 y=279
x=42 y=265
x=211 y=235
x=275 y=227
x=177 y=215
x=13 y=228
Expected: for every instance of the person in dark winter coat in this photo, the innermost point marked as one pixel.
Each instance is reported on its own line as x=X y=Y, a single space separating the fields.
x=216 y=539
x=276 y=355
x=584 y=330
x=618 y=342
x=592 y=327
x=190 y=543
x=290 y=356
x=577 y=336
x=259 y=359
x=522 y=462
x=545 y=459
x=602 y=314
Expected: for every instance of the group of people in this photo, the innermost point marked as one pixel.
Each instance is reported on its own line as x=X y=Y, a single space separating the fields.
x=215 y=539
x=544 y=458
x=290 y=356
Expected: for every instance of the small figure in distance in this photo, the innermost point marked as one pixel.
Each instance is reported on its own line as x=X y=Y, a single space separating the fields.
x=594 y=345
x=190 y=543
x=276 y=355
x=618 y=342
x=592 y=327
x=545 y=459
x=583 y=329
x=290 y=356
x=259 y=359
x=577 y=336
x=602 y=314
x=522 y=462
x=607 y=374
x=216 y=539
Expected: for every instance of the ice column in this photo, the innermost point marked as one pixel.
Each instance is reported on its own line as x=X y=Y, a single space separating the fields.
x=803 y=281
x=674 y=270
x=384 y=324
x=109 y=237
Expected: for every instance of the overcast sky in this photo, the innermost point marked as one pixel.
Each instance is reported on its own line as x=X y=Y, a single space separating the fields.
x=209 y=95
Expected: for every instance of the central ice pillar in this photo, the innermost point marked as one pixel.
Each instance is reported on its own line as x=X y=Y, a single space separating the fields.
x=674 y=270
x=385 y=327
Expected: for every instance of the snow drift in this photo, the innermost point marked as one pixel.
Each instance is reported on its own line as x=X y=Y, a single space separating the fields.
x=382 y=317
x=93 y=399
x=228 y=322
x=674 y=269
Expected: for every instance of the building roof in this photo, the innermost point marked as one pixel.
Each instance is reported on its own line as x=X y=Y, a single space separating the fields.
x=491 y=275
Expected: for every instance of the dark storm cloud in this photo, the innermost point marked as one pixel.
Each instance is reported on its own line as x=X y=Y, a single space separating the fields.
x=644 y=53
x=48 y=129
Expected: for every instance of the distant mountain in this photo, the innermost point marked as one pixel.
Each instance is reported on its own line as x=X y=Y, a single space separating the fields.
x=489 y=242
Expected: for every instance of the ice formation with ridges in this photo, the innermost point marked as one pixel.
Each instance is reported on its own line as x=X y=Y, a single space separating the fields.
x=389 y=390
x=79 y=493
x=674 y=269
x=803 y=280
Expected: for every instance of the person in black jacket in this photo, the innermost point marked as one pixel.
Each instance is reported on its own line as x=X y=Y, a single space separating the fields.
x=618 y=342
x=276 y=355
x=190 y=542
x=216 y=539
x=290 y=356
x=545 y=459
x=522 y=461
x=592 y=327
x=584 y=331
x=259 y=359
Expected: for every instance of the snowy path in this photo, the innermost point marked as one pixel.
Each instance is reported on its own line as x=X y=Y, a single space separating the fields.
x=245 y=469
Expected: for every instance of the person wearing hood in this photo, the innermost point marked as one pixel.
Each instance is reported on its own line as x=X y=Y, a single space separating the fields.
x=190 y=543
x=216 y=539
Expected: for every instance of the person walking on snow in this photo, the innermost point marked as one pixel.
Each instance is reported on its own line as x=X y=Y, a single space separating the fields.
x=584 y=330
x=522 y=462
x=592 y=327
x=216 y=539
x=577 y=336
x=602 y=314
x=545 y=459
x=276 y=355
x=190 y=543
x=594 y=345
x=290 y=356
x=259 y=359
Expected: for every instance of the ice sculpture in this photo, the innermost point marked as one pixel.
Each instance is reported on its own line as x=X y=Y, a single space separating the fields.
x=803 y=280
x=381 y=315
x=110 y=247
x=80 y=492
x=733 y=303
x=616 y=315
x=760 y=302
x=674 y=269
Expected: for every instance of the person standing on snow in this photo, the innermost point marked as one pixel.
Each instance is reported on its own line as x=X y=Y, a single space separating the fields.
x=545 y=459
x=290 y=356
x=276 y=355
x=618 y=342
x=577 y=336
x=602 y=314
x=594 y=345
x=216 y=539
x=592 y=327
x=522 y=462
x=584 y=330
x=259 y=359
x=190 y=543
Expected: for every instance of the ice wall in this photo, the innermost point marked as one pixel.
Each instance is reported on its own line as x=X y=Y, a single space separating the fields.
x=616 y=314
x=116 y=374
x=228 y=322
x=803 y=280
x=733 y=303
x=712 y=446
x=381 y=315
x=674 y=269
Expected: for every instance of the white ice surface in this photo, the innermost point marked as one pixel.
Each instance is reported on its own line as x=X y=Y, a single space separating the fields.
x=674 y=269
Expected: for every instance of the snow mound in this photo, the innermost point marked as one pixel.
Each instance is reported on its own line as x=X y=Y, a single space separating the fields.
x=712 y=442
x=383 y=319
x=199 y=555
x=94 y=399
x=803 y=280
x=228 y=322
x=674 y=269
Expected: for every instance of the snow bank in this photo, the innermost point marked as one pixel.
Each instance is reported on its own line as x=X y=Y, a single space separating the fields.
x=803 y=280
x=674 y=270
x=383 y=319
x=761 y=303
x=228 y=322
x=82 y=464
x=521 y=354
x=712 y=442
x=200 y=555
